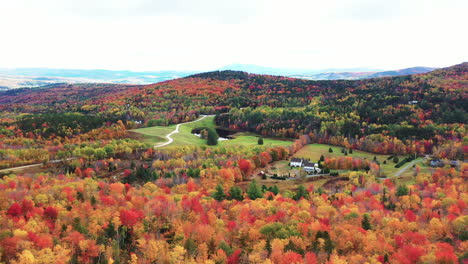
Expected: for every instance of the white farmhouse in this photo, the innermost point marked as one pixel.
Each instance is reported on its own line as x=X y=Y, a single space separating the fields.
x=311 y=167
x=296 y=162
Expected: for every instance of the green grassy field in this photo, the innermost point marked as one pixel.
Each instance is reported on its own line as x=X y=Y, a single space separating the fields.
x=407 y=177
x=314 y=151
x=154 y=135
x=185 y=137
x=250 y=139
x=157 y=134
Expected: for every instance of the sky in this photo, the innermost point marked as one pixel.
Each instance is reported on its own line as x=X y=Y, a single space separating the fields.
x=208 y=34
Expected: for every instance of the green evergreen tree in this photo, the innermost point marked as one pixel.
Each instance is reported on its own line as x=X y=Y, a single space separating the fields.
x=301 y=192
x=219 y=194
x=319 y=191
x=384 y=196
x=274 y=189
x=365 y=223
x=191 y=246
x=224 y=246
x=235 y=193
x=93 y=200
x=212 y=137
x=292 y=247
x=328 y=246
x=254 y=191
x=268 y=246
x=330 y=150
x=260 y=141
x=402 y=190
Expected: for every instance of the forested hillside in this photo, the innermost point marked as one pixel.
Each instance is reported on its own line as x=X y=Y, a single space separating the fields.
x=415 y=111
x=97 y=195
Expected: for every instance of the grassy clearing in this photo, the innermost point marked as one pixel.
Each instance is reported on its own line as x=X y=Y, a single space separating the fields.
x=288 y=185
x=314 y=151
x=154 y=135
x=250 y=139
x=408 y=176
x=157 y=134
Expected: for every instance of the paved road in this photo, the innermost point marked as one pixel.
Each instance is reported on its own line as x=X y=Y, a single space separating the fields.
x=308 y=176
x=31 y=166
x=176 y=130
x=168 y=136
x=408 y=166
x=21 y=167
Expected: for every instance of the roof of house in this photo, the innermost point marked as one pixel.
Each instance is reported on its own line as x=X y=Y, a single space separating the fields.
x=296 y=160
x=309 y=164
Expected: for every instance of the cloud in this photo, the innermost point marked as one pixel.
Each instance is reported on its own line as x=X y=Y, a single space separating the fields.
x=206 y=34
x=218 y=11
x=369 y=10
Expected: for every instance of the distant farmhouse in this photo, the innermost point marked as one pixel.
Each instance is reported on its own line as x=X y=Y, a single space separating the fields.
x=310 y=167
x=436 y=163
x=296 y=162
x=441 y=163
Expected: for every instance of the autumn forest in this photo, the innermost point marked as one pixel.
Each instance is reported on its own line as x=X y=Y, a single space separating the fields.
x=111 y=173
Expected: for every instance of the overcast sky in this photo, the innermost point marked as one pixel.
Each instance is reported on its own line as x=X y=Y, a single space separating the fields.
x=208 y=34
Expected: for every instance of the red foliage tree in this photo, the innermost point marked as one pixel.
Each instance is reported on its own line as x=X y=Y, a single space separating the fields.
x=51 y=213
x=410 y=216
x=129 y=218
x=15 y=210
x=41 y=241
x=310 y=258
x=445 y=254
x=235 y=257
x=9 y=246
x=291 y=257
x=244 y=166
x=408 y=254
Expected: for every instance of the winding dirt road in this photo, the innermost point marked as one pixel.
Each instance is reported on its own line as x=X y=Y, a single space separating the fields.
x=176 y=130
x=168 y=136
x=409 y=165
x=32 y=165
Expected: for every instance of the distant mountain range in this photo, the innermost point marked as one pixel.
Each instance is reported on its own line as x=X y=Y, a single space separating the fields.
x=327 y=74
x=289 y=72
x=33 y=77
x=363 y=75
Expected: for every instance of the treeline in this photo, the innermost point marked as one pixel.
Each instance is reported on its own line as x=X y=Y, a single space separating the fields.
x=347 y=131
x=60 y=124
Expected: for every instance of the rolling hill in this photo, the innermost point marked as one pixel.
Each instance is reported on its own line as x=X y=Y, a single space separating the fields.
x=356 y=75
x=396 y=104
x=222 y=90
x=35 y=77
